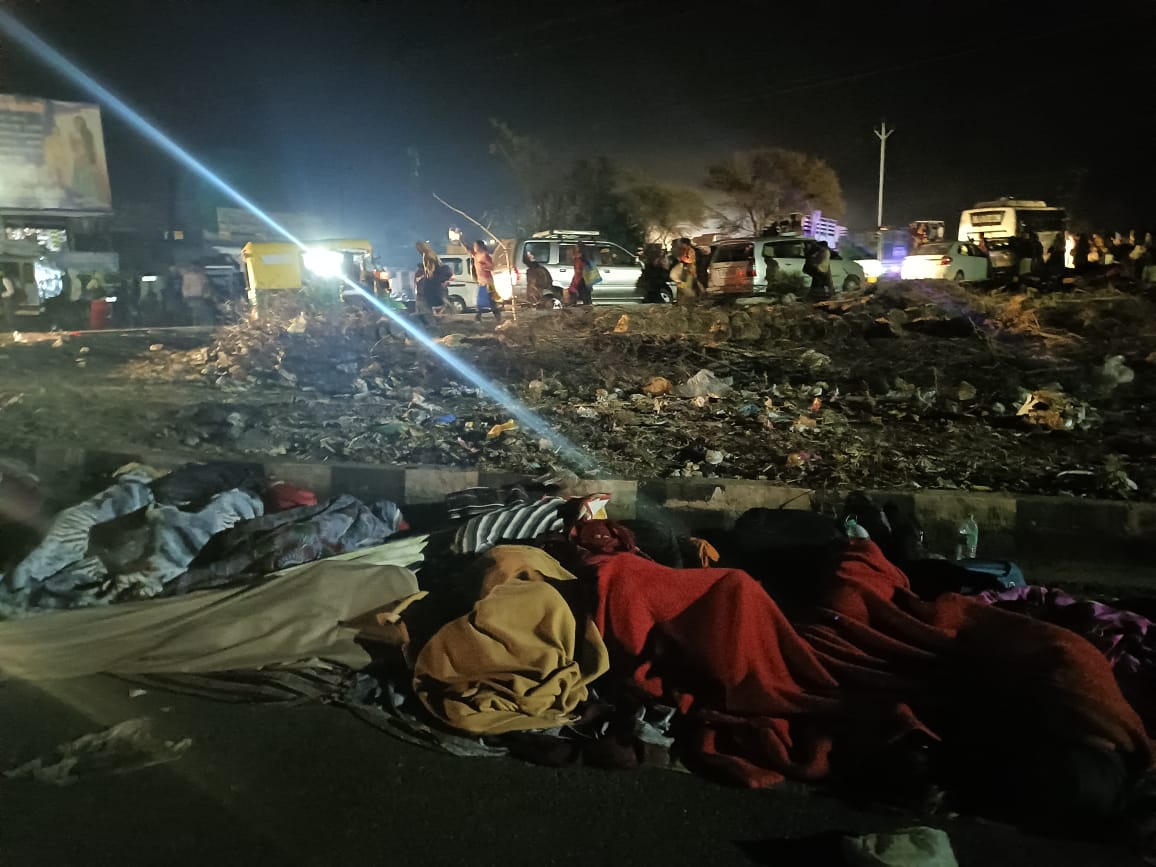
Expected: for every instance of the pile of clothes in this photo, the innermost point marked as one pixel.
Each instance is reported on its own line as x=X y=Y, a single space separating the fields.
x=786 y=649
x=210 y=569
x=153 y=534
x=792 y=647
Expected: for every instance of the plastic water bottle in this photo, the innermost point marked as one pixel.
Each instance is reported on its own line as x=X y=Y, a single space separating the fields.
x=854 y=529
x=968 y=541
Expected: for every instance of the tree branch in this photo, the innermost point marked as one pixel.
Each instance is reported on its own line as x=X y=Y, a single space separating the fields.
x=496 y=240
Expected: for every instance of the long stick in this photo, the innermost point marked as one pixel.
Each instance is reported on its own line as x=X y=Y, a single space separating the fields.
x=496 y=240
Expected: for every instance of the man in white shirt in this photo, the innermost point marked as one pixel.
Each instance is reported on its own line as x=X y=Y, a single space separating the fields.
x=9 y=298
x=196 y=292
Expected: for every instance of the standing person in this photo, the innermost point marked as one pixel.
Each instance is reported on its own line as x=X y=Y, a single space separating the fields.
x=1099 y=254
x=1053 y=263
x=487 y=291
x=687 y=283
x=195 y=292
x=539 y=282
x=1137 y=255
x=430 y=287
x=1082 y=254
x=1035 y=251
x=578 y=290
x=819 y=268
x=918 y=236
x=150 y=302
x=771 y=267
x=652 y=282
x=981 y=243
x=127 y=313
x=172 y=307
x=381 y=283
x=9 y=298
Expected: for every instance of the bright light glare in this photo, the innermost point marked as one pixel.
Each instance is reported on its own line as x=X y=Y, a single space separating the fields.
x=324 y=263
x=504 y=283
x=872 y=268
x=516 y=409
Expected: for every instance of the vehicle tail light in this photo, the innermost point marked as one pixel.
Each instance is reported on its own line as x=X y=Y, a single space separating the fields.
x=946 y=260
x=751 y=272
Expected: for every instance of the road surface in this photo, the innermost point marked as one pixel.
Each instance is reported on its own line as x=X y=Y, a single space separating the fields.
x=313 y=785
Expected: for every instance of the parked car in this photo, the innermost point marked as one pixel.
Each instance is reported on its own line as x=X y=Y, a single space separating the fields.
x=619 y=268
x=961 y=261
x=739 y=266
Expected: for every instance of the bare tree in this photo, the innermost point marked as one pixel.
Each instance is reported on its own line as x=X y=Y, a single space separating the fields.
x=661 y=211
x=765 y=184
x=537 y=175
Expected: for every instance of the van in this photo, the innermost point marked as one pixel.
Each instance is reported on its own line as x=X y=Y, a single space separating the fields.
x=739 y=266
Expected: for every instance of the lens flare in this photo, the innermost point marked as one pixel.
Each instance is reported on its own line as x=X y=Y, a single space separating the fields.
x=521 y=413
x=516 y=409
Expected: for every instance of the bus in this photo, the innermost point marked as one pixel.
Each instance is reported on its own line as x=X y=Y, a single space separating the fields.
x=1010 y=218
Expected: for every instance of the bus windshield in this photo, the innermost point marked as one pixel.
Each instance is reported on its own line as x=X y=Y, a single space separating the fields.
x=1051 y=220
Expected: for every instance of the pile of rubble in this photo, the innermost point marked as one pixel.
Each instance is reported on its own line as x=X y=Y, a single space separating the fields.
x=915 y=384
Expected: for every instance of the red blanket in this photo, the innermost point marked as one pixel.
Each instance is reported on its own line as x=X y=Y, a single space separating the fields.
x=770 y=701
x=973 y=666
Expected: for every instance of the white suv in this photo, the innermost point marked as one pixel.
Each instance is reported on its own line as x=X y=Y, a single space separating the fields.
x=739 y=266
x=554 y=250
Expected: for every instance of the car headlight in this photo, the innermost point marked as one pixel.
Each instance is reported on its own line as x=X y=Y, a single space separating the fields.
x=323 y=263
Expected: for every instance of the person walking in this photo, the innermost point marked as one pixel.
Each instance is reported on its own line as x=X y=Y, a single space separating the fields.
x=484 y=273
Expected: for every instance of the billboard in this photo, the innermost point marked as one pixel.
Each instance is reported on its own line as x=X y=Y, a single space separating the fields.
x=52 y=156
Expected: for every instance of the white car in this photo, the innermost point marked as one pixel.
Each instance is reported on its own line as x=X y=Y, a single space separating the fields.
x=960 y=261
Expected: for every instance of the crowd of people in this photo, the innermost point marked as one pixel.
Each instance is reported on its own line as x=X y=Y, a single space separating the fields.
x=1084 y=254
x=1129 y=255
x=685 y=265
x=184 y=295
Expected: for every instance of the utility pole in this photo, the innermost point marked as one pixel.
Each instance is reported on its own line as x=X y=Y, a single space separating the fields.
x=883 y=133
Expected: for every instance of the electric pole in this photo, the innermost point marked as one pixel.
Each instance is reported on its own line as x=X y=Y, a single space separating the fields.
x=883 y=133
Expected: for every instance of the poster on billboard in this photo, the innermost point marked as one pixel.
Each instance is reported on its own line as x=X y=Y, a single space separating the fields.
x=52 y=156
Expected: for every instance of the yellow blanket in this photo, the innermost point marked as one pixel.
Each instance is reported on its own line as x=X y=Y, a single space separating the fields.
x=519 y=660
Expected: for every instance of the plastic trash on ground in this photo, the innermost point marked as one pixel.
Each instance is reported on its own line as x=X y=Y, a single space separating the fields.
x=706 y=384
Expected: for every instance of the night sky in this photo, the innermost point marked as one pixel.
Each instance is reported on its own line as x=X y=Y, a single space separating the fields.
x=320 y=105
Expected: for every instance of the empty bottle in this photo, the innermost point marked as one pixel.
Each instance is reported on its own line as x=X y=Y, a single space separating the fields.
x=968 y=541
x=854 y=529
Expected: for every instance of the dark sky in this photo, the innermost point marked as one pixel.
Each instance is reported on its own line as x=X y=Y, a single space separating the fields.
x=317 y=105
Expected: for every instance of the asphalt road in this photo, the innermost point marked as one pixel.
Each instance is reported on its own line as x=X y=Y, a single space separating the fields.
x=312 y=785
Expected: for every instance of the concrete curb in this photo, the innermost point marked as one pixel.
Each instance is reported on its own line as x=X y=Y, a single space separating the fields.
x=1010 y=525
